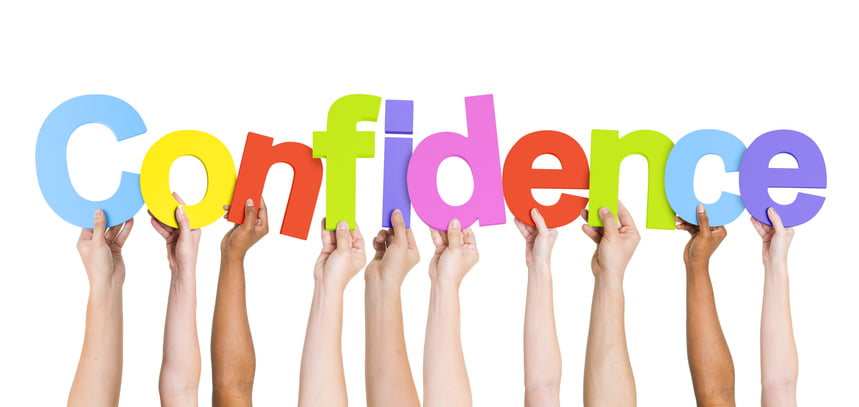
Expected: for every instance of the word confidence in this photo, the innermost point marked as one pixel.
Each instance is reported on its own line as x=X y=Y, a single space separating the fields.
x=410 y=177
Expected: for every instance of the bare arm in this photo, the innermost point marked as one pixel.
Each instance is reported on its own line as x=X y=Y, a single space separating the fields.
x=99 y=374
x=779 y=361
x=180 y=365
x=542 y=352
x=322 y=382
x=233 y=358
x=445 y=376
x=710 y=360
x=608 y=373
x=388 y=374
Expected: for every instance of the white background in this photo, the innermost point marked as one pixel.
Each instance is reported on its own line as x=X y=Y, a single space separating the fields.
x=671 y=66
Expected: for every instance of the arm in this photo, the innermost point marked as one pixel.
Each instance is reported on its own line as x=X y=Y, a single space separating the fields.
x=709 y=358
x=388 y=375
x=233 y=358
x=445 y=377
x=542 y=352
x=322 y=382
x=779 y=364
x=180 y=365
x=99 y=372
x=608 y=373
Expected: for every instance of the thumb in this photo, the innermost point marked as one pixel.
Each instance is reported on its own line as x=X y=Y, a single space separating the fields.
x=344 y=238
x=182 y=220
x=98 y=226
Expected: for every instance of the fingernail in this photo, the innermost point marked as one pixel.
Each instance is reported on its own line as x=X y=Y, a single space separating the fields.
x=454 y=223
x=250 y=202
x=398 y=213
x=700 y=208
x=342 y=225
x=98 y=213
x=181 y=209
x=533 y=211
x=604 y=211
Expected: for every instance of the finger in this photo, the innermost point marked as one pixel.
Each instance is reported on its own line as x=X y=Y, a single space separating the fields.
x=775 y=219
x=357 y=238
x=98 y=224
x=703 y=221
x=624 y=216
x=399 y=225
x=435 y=234
x=178 y=198
x=111 y=233
x=523 y=228
x=182 y=219
x=86 y=234
x=454 y=234
x=123 y=234
x=592 y=232
x=227 y=210
x=262 y=212
x=410 y=238
x=342 y=236
x=162 y=230
x=760 y=227
x=469 y=237
x=609 y=229
x=539 y=221
x=584 y=215
x=250 y=214
x=379 y=244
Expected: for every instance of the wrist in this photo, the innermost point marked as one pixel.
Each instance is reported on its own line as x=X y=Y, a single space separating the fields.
x=609 y=279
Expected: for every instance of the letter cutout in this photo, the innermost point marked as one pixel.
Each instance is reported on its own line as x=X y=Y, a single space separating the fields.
x=520 y=178
x=155 y=176
x=399 y=119
x=756 y=176
x=680 y=175
x=258 y=157
x=480 y=151
x=607 y=152
x=341 y=144
x=52 y=168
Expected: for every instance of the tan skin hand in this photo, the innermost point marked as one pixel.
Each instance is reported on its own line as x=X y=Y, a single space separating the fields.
x=704 y=239
x=396 y=252
x=242 y=236
x=182 y=243
x=101 y=250
x=776 y=239
x=615 y=243
x=539 y=240
x=342 y=255
x=455 y=253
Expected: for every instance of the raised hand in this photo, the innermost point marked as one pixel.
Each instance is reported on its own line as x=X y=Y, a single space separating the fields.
x=342 y=255
x=242 y=236
x=539 y=240
x=615 y=243
x=101 y=250
x=182 y=243
x=776 y=239
x=455 y=253
x=704 y=239
x=396 y=252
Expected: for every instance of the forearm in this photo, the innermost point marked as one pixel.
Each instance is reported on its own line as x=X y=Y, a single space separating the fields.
x=180 y=367
x=99 y=374
x=542 y=352
x=445 y=376
x=608 y=373
x=710 y=360
x=779 y=365
x=388 y=374
x=322 y=381
x=233 y=358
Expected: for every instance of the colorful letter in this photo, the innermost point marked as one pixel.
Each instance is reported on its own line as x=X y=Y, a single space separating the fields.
x=341 y=144
x=52 y=168
x=399 y=119
x=756 y=176
x=680 y=175
x=480 y=151
x=520 y=178
x=155 y=176
x=607 y=152
x=258 y=157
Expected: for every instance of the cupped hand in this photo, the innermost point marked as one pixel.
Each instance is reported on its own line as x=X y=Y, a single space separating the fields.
x=396 y=252
x=539 y=240
x=242 y=236
x=776 y=239
x=615 y=242
x=101 y=250
x=703 y=239
x=182 y=243
x=342 y=255
x=455 y=253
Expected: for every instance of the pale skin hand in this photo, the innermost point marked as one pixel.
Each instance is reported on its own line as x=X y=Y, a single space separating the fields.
x=608 y=373
x=233 y=357
x=387 y=371
x=779 y=361
x=322 y=382
x=710 y=360
x=99 y=374
x=445 y=376
x=542 y=352
x=180 y=366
